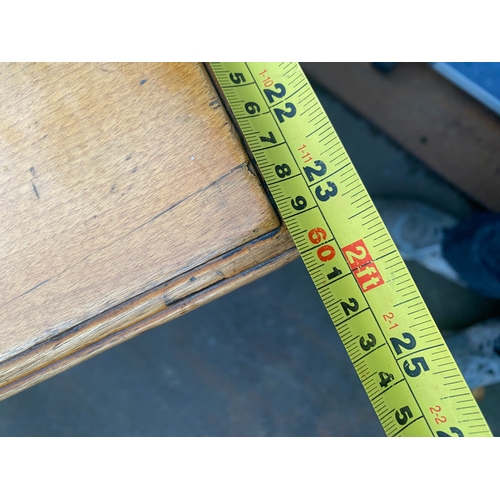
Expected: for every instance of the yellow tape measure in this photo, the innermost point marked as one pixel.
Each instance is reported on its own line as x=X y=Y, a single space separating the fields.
x=398 y=352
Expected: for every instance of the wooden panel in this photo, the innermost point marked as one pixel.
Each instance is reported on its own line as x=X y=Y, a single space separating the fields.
x=436 y=121
x=163 y=303
x=114 y=180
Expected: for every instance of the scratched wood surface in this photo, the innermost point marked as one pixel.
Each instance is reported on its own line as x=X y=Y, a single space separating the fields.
x=126 y=199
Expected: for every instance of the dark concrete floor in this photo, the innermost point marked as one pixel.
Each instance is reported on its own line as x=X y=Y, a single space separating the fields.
x=263 y=361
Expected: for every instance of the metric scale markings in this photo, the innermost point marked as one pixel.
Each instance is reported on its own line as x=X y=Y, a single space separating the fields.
x=406 y=369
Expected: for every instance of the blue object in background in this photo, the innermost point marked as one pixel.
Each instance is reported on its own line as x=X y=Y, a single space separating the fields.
x=479 y=79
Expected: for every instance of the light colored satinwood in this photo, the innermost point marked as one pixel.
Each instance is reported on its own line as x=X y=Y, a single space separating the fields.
x=163 y=303
x=121 y=186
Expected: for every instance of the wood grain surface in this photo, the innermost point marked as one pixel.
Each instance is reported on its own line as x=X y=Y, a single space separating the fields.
x=126 y=198
x=429 y=116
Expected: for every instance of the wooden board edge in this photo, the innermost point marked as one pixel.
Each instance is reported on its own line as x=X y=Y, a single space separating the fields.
x=148 y=310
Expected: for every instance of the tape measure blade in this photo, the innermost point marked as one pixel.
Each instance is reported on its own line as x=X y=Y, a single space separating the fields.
x=405 y=367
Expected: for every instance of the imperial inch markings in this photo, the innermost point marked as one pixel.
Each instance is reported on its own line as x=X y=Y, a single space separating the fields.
x=398 y=352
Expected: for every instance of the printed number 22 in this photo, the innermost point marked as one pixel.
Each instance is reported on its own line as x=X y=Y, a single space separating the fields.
x=281 y=115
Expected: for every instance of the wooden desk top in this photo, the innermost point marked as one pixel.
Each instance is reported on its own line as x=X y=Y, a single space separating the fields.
x=126 y=199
